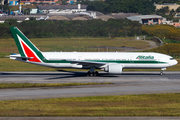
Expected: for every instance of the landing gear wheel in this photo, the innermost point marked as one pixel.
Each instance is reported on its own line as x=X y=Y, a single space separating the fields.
x=162 y=70
x=88 y=73
x=161 y=73
x=96 y=73
x=92 y=74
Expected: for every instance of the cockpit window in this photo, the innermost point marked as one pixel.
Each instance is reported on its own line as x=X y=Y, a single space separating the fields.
x=171 y=58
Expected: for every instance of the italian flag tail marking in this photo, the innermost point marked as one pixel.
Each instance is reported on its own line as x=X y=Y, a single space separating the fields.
x=25 y=47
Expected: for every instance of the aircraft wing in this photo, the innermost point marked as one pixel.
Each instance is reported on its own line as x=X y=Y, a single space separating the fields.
x=87 y=62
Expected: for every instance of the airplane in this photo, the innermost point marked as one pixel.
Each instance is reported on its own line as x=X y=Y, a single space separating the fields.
x=111 y=62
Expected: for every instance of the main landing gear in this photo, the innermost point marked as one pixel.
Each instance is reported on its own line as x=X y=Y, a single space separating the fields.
x=91 y=72
x=162 y=70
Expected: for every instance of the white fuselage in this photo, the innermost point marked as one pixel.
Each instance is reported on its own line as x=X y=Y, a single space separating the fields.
x=146 y=60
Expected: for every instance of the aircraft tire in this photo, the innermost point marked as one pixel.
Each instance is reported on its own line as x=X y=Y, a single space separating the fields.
x=88 y=73
x=161 y=73
x=96 y=73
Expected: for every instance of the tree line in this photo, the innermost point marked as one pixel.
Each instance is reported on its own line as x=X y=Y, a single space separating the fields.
x=135 y=6
x=162 y=31
x=172 y=49
x=90 y=28
x=116 y=6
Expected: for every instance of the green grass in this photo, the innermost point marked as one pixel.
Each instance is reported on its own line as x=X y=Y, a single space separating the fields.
x=8 y=46
x=31 y=85
x=127 y=105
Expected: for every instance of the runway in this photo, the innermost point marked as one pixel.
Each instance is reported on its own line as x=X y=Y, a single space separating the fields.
x=127 y=83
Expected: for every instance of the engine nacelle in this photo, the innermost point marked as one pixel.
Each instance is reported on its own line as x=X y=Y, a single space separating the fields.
x=114 y=69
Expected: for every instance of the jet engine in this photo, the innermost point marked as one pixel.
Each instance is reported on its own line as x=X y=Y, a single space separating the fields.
x=114 y=68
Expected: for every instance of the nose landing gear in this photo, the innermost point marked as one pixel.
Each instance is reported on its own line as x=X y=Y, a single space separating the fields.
x=162 y=70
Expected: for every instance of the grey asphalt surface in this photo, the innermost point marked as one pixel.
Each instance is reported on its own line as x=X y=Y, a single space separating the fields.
x=127 y=83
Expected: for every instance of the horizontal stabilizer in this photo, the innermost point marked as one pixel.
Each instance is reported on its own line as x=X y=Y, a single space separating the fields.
x=15 y=56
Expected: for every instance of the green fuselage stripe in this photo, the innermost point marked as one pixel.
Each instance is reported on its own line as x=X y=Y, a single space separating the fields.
x=129 y=61
x=109 y=61
x=56 y=61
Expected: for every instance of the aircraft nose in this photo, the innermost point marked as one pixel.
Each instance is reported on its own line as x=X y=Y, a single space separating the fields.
x=174 y=62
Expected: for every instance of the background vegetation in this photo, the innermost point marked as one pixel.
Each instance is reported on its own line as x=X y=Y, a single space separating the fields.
x=162 y=31
x=90 y=28
x=167 y=49
x=116 y=6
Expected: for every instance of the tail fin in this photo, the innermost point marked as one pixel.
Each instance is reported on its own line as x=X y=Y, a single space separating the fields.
x=25 y=46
